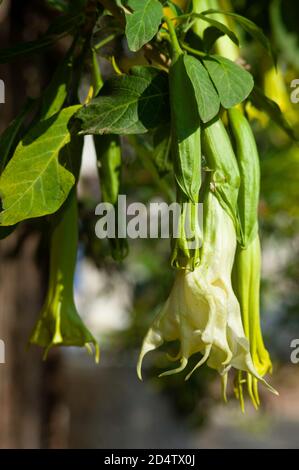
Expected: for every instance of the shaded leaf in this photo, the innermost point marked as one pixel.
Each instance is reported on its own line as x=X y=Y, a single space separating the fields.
x=210 y=36
x=262 y=102
x=250 y=27
x=143 y=23
x=34 y=183
x=286 y=40
x=128 y=104
x=206 y=96
x=218 y=25
x=232 y=82
x=8 y=139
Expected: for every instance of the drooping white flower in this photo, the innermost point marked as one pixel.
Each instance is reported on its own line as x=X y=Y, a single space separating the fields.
x=202 y=312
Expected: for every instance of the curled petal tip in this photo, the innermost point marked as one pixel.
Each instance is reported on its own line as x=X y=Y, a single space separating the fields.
x=143 y=352
x=269 y=387
x=184 y=362
x=139 y=370
x=201 y=362
x=224 y=387
x=46 y=352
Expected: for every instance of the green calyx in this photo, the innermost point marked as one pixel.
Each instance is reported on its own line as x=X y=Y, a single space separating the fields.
x=59 y=323
x=221 y=162
x=186 y=245
x=247 y=264
x=246 y=285
x=249 y=167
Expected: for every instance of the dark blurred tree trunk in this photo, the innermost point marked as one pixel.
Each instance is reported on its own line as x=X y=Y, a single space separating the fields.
x=29 y=392
x=20 y=376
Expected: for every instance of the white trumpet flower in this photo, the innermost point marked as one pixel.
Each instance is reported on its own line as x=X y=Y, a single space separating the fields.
x=202 y=311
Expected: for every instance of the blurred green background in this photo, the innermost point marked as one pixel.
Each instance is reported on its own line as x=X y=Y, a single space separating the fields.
x=70 y=402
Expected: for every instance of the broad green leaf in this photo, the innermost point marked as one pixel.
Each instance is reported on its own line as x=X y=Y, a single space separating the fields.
x=8 y=139
x=128 y=104
x=262 y=102
x=143 y=23
x=34 y=183
x=249 y=26
x=232 y=82
x=217 y=24
x=206 y=96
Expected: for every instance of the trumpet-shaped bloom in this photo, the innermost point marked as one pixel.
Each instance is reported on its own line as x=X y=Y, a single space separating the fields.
x=202 y=311
x=59 y=323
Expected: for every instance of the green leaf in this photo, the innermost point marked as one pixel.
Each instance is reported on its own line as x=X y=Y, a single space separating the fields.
x=210 y=36
x=217 y=24
x=232 y=82
x=249 y=26
x=262 y=102
x=206 y=96
x=9 y=136
x=143 y=23
x=128 y=104
x=34 y=183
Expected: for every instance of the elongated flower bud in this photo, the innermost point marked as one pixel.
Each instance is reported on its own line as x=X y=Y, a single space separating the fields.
x=247 y=265
x=108 y=149
x=246 y=284
x=249 y=167
x=59 y=323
